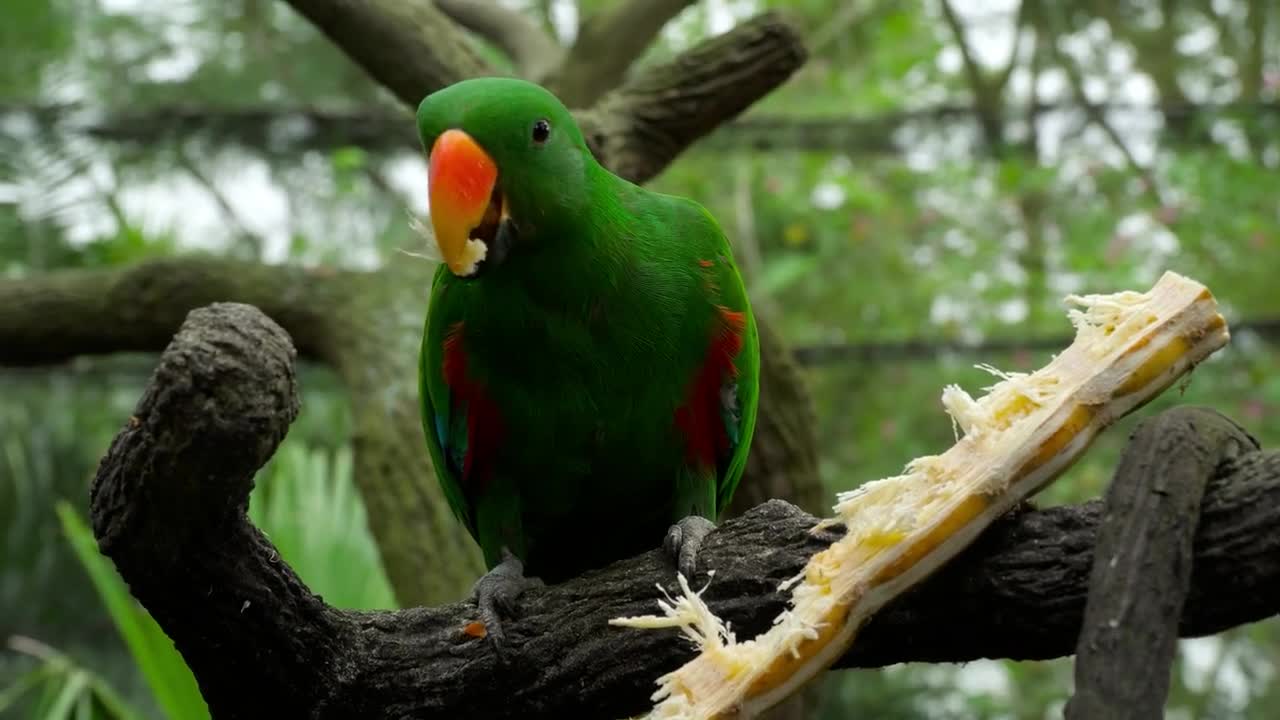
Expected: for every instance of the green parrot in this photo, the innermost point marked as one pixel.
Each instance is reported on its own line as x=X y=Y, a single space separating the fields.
x=589 y=369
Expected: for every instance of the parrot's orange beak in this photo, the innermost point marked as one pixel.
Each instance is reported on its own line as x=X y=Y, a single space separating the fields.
x=466 y=206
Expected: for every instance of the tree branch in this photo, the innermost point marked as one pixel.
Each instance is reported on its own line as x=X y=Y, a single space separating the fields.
x=883 y=351
x=1143 y=561
x=408 y=46
x=53 y=317
x=530 y=48
x=640 y=128
x=264 y=128
x=1096 y=114
x=987 y=95
x=252 y=240
x=608 y=44
x=636 y=131
x=1253 y=69
x=168 y=507
x=845 y=20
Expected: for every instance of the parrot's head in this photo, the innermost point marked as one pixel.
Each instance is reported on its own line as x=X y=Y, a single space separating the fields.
x=505 y=160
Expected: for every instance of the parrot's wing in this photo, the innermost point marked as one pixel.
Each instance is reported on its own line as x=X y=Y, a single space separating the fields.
x=734 y=358
x=444 y=415
x=739 y=396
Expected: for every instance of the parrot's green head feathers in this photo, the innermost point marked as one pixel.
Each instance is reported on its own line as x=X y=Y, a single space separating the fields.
x=506 y=160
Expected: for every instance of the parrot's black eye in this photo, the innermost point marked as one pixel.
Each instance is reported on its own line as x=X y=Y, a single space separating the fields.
x=541 y=131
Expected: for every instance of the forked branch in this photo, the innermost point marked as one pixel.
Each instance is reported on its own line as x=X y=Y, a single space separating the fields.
x=409 y=46
x=531 y=49
x=413 y=48
x=608 y=43
x=168 y=506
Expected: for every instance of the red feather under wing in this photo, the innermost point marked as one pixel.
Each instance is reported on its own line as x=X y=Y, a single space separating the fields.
x=484 y=424
x=699 y=418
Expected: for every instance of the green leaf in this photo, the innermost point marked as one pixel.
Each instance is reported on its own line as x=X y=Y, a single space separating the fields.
x=111 y=702
x=162 y=666
x=348 y=159
x=73 y=687
x=9 y=696
x=308 y=504
x=84 y=707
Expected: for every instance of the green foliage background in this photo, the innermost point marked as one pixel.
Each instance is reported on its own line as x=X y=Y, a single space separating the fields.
x=906 y=222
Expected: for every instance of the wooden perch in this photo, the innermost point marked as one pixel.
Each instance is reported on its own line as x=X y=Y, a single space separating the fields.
x=168 y=507
x=1143 y=562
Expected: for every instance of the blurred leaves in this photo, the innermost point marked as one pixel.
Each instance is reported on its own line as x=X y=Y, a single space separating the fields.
x=308 y=505
x=59 y=689
x=35 y=36
x=170 y=680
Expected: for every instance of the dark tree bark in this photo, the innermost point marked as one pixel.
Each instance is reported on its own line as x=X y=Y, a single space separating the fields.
x=1143 y=562
x=643 y=125
x=368 y=326
x=519 y=36
x=407 y=46
x=606 y=46
x=168 y=507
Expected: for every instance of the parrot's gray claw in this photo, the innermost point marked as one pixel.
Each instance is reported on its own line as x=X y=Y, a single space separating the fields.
x=683 y=541
x=495 y=594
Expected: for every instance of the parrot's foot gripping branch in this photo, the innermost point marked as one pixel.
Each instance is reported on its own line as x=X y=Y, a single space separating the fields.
x=496 y=593
x=683 y=541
